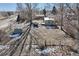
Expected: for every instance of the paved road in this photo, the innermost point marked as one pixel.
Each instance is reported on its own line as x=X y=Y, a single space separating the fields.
x=6 y=22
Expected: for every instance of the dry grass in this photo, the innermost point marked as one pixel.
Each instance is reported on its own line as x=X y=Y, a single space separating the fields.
x=1 y=17
x=3 y=37
x=54 y=36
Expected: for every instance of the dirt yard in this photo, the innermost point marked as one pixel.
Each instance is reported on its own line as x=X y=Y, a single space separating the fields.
x=58 y=43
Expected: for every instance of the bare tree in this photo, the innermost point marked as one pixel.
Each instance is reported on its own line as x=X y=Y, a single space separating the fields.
x=30 y=7
x=26 y=10
x=69 y=6
x=21 y=12
x=19 y=8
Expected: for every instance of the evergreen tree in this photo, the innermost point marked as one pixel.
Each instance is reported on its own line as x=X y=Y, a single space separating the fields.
x=44 y=12
x=54 y=10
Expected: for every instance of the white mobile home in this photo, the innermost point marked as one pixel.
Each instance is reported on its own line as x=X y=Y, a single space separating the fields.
x=49 y=21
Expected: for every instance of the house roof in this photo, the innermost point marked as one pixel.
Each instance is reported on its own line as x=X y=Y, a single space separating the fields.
x=48 y=18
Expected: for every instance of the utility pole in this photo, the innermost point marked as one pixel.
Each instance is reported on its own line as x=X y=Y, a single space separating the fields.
x=29 y=6
x=78 y=13
x=78 y=20
x=61 y=10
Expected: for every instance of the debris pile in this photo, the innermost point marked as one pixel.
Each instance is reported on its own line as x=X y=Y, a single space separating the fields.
x=52 y=51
